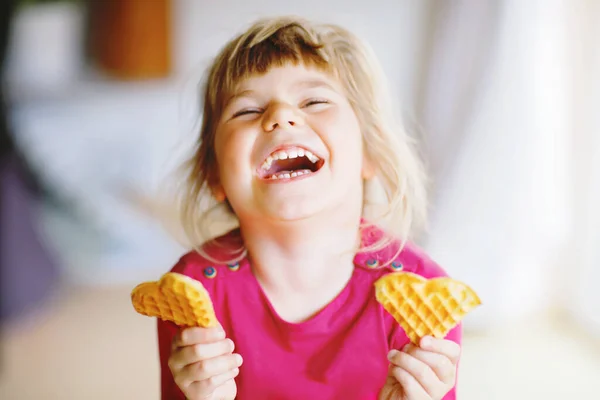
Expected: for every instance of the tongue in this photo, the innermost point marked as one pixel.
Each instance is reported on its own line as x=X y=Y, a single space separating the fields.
x=289 y=165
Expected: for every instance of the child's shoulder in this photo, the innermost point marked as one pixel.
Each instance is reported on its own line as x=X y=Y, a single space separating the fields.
x=411 y=258
x=214 y=261
x=420 y=263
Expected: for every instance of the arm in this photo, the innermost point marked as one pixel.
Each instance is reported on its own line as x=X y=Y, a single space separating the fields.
x=428 y=268
x=166 y=333
x=168 y=388
x=429 y=371
x=434 y=363
x=454 y=335
x=196 y=362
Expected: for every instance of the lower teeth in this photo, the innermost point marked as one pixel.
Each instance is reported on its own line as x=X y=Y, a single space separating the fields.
x=288 y=175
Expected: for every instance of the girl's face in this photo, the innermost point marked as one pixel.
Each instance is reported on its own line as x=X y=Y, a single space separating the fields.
x=289 y=146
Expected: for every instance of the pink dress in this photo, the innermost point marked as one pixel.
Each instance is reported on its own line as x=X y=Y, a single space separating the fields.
x=340 y=353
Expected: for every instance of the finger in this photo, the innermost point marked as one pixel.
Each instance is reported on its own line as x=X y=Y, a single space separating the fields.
x=207 y=386
x=420 y=371
x=411 y=387
x=189 y=336
x=442 y=346
x=440 y=364
x=190 y=354
x=208 y=368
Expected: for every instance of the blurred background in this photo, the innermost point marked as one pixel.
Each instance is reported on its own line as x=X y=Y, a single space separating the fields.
x=101 y=105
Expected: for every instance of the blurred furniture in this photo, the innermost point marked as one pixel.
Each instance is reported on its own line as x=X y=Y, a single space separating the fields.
x=28 y=272
x=131 y=39
x=96 y=142
x=93 y=147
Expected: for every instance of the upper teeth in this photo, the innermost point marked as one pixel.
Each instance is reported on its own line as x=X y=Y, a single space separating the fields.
x=289 y=153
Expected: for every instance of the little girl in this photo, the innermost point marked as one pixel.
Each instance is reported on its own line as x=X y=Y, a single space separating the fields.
x=295 y=125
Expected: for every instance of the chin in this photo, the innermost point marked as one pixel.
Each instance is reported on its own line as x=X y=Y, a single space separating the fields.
x=294 y=209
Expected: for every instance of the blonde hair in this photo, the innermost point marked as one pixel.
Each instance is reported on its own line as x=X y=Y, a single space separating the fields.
x=332 y=49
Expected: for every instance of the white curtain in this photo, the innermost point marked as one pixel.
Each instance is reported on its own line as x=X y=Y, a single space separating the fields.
x=496 y=115
x=583 y=258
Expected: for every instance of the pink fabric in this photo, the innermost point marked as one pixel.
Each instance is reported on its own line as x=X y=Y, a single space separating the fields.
x=340 y=353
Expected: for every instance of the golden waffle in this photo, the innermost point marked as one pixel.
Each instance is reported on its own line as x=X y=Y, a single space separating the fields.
x=425 y=307
x=176 y=298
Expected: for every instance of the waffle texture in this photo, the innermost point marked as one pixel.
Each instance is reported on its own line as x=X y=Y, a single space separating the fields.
x=176 y=298
x=425 y=307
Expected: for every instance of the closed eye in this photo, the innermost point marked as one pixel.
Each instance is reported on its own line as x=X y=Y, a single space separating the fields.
x=314 y=102
x=246 y=111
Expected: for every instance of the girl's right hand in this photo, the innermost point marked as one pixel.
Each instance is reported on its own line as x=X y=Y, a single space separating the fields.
x=203 y=364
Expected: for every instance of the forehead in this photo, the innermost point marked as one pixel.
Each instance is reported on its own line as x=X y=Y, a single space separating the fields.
x=292 y=77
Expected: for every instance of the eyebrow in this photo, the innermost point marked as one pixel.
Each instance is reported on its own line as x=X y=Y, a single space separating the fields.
x=234 y=96
x=314 y=83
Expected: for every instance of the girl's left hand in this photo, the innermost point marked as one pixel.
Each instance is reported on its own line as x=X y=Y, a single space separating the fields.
x=427 y=372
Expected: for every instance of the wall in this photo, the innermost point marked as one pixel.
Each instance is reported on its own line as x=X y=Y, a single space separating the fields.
x=393 y=28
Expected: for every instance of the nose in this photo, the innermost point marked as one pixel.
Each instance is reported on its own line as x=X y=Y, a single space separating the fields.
x=281 y=116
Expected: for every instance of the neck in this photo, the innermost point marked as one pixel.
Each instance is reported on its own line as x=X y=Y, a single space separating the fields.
x=301 y=256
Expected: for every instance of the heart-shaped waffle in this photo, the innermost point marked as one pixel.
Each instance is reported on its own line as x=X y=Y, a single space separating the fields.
x=425 y=307
x=176 y=298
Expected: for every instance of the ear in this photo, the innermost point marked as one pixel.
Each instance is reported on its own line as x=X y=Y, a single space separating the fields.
x=368 y=169
x=218 y=193
x=214 y=183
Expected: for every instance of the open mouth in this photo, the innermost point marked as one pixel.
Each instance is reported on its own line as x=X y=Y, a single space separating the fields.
x=290 y=163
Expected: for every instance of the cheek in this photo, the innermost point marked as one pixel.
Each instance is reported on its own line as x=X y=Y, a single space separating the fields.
x=232 y=149
x=344 y=135
x=342 y=124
